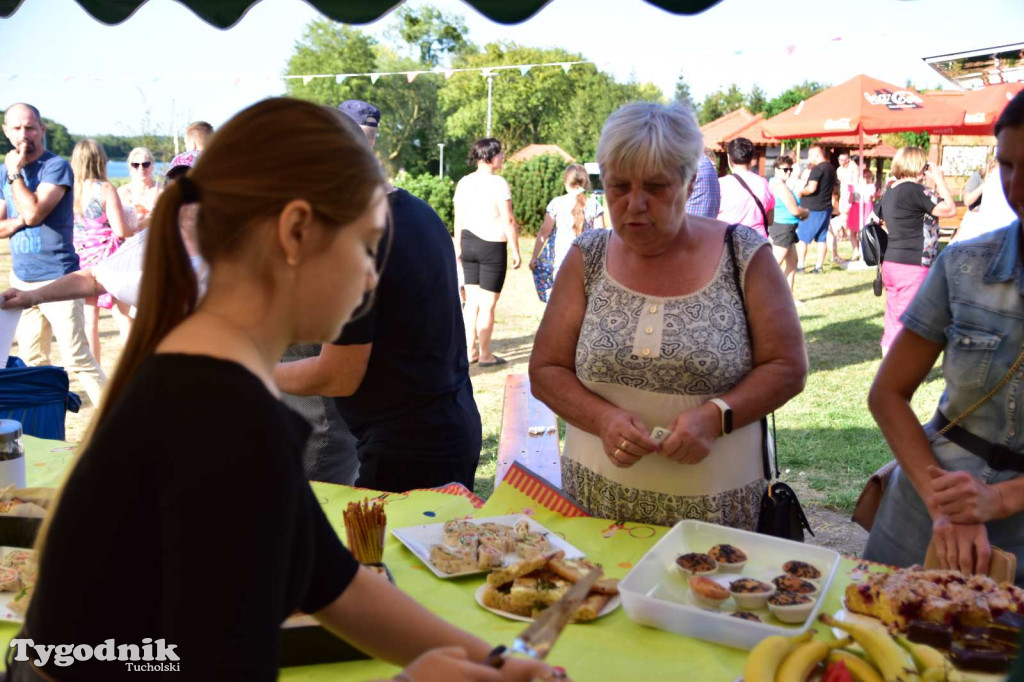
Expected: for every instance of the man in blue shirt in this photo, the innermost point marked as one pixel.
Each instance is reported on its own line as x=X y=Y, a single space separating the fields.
x=37 y=215
x=400 y=372
x=706 y=197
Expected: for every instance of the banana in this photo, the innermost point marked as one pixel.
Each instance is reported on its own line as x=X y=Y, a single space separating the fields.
x=946 y=673
x=798 y=665
x=765 y=658
x=890 y=658
x=860 y=670
x=930 y=662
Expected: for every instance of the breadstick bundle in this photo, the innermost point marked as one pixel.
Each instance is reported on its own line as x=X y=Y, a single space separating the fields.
x=364 y=524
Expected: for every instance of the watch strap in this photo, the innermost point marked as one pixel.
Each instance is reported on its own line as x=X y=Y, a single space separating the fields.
x=726 y=411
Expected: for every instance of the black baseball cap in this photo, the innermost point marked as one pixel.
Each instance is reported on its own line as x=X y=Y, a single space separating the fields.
x=363 y=113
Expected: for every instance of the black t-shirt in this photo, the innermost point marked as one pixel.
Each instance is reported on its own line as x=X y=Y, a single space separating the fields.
x=188 y=519
x=415 y=325
x=907 y=212
x=825 y=175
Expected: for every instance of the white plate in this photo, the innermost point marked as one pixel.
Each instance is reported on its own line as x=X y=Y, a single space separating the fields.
x=654 y=592
x=419 y=540
x=7 y=597
x=612 y=604
x=844 y=616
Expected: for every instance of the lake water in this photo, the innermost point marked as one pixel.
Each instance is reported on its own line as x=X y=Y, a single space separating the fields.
x=118 y=170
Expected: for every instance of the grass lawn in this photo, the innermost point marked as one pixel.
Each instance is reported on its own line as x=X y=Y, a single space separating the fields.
x=827 y=440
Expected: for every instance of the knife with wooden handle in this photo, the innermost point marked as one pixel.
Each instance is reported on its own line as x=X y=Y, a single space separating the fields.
x=536 y=640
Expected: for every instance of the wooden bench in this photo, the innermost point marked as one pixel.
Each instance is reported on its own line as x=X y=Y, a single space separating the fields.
x=520 y=413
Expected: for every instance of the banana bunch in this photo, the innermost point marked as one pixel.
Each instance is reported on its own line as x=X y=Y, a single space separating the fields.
x=887 y=659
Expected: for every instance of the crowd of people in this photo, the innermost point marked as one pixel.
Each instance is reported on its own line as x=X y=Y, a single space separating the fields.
x=256 y=274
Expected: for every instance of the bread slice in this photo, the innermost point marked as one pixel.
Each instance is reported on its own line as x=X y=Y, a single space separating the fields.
x=591 y=607
x=538 y=589
x=573 y=570
x=500 y=598
x=517 y=570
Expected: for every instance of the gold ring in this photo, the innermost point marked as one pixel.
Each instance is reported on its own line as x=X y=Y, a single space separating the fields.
x=623 y=446
x=616 y=453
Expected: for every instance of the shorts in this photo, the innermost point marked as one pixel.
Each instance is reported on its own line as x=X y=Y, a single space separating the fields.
x=815 y=227
x=783 y=235
x=484 y=263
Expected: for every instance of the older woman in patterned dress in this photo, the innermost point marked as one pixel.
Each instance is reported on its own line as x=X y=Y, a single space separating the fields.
x=645 y=328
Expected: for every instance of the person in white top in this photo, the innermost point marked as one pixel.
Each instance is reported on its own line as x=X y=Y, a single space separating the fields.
x=746 y=198
x=484 y=224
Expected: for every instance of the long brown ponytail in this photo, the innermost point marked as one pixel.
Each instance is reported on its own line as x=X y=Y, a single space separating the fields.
x=576 y=176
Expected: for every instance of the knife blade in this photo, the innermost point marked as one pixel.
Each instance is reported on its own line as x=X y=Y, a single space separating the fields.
x=537 y=639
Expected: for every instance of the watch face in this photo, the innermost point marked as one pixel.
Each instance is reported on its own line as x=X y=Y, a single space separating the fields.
x=727 y=421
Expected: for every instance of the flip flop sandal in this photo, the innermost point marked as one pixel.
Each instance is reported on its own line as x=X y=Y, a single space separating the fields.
x=497 y=361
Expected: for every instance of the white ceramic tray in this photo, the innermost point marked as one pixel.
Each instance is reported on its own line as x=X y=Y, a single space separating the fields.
x=612 y=604
x=655 y=593
x=419 y=540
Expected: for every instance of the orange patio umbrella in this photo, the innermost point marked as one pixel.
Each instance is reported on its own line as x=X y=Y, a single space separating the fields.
x=865 y=105
x=982 y=107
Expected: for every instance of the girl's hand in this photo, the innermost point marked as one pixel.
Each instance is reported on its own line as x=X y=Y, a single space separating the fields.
x=517 y=260
x=693 y=434
x=625 y=439
x=448 y=664
x=963 y=498
x=533 y=264
x=961 y=547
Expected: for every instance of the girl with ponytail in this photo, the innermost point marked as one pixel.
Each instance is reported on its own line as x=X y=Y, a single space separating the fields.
x=567 y=217
x=186 y=516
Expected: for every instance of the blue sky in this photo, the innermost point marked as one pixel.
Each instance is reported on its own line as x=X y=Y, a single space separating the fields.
x=164 y=65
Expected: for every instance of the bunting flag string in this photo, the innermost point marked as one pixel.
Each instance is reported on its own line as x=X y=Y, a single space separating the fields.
x=306 y=79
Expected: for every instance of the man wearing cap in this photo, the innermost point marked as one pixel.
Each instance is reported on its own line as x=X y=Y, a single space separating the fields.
x=400 y=373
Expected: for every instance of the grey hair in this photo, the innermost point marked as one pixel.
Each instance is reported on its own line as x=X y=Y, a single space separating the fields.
x=645 y=137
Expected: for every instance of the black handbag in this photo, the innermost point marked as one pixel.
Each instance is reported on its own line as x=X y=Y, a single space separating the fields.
x=873 y=242
x=780 y=514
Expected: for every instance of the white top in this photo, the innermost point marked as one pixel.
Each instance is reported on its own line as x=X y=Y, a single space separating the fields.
x=478 y=197
x=560 y=209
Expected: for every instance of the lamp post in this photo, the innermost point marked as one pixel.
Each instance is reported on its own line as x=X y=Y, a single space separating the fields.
x=490 y=75
x=440 y=168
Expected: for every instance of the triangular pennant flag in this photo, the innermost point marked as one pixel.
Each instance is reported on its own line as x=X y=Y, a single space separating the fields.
x=12 y=76
x=340 y=78
x=238 y=81
x=411 y=75
x=448 y=74
x=68 y=78
x=486 y=73
x=306 y=80
x=374 y=77
x=837 y=39
x=524 y=70
x=566 y=66
x=789 y=49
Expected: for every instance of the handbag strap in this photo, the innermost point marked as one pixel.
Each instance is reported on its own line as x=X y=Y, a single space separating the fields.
x=760 y=206
x=966 y=413
x=765 y=456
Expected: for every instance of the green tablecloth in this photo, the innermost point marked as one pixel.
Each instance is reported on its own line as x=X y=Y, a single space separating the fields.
x=611 y=648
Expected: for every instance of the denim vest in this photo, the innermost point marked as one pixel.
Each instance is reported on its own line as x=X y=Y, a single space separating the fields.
x=973 y=303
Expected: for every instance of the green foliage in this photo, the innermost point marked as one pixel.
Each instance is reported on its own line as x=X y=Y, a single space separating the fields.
x=438 y=192
x=900 y=140
x=534 y=184
x=432 y=33
x=757 y=100
x=683 y=94
x=718 y=104
x=793 y=96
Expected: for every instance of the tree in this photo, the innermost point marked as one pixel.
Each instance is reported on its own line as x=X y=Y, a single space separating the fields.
x=431 y=33
x=409 y=127
x=757 y=100
x=793 y=96
x=718 y=104
x=683 y=95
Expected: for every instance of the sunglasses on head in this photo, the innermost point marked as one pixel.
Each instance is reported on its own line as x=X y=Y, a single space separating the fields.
x=144 y=164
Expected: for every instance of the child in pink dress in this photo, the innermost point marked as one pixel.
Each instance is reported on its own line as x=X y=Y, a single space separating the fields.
x=99 y=230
